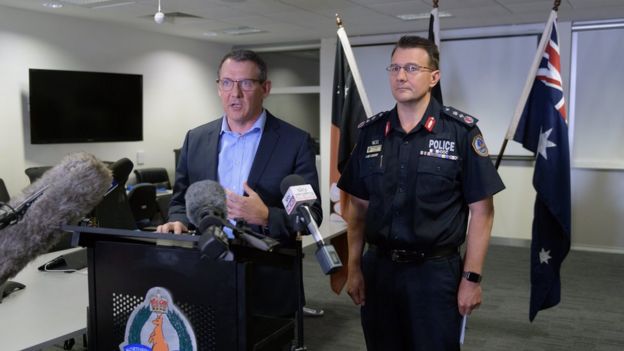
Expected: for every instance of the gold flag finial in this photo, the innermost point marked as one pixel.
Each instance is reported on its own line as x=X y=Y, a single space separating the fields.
x=435 y=4
x=556 y=5
x=338 y=20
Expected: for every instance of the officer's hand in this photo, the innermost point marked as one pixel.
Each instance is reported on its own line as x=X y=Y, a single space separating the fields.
x=250 y=208
x=468 y=296
x=175 y=227
x=355 y=287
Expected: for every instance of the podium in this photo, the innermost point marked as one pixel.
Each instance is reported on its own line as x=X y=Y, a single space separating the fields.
x=158 y=287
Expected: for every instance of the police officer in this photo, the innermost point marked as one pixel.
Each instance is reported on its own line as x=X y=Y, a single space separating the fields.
x=421 y=183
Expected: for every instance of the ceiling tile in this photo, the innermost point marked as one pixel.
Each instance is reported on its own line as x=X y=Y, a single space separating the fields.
x=305 y=19
x=396 y=8
x=595 y=4
x=294 y=20
x=320 y=5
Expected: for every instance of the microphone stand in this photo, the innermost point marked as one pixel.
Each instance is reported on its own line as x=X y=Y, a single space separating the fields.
x=299 y=345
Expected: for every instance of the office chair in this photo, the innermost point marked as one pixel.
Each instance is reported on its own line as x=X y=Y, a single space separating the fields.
x=142 y=199
x=4 y=193
x=157 y=176
x=35 y=173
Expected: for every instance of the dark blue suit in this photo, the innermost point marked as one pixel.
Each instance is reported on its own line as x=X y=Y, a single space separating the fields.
x=283 y=150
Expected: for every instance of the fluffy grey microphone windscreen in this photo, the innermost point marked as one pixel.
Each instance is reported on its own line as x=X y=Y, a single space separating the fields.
x=72 y=189
x=206 y=196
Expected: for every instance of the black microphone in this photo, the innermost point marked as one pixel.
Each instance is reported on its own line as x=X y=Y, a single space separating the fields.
x=206 y=210
x=296 y=200
x=62 y=196
x=121 y=170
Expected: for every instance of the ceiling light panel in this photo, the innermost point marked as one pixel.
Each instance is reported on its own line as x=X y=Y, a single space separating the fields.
x=241 y=30
x=98 y=4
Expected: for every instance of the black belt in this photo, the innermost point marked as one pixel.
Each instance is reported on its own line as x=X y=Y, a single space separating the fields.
x=406 y=256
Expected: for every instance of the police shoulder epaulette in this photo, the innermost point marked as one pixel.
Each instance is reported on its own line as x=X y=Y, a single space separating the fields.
x=460 y=116
x=372 y=119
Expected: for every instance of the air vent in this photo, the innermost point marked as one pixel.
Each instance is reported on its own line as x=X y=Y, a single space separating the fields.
x=97 y=4
x=421 y=16
x=242 y=30
x=180 y=15
x=176 y=17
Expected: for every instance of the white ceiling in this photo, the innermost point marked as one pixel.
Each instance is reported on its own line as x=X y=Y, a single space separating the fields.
x=297 y=21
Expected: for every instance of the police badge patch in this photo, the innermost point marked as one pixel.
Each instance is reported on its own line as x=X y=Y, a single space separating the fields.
x=158 y=324
x=478 y=144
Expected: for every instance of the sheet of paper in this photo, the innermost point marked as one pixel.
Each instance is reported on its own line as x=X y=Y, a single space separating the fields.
x=463 y=330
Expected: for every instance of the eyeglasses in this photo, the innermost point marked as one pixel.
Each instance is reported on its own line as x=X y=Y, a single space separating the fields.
x=227 y=84
x=410 y=68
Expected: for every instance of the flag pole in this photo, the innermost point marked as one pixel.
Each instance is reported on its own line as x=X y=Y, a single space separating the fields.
x=436 y=24
x=499 y=157
x=344 y=40
x=434 y=35
x=556 y=5
x=529 y=82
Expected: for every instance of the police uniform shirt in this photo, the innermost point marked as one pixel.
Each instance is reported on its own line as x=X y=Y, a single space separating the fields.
x=419 y=184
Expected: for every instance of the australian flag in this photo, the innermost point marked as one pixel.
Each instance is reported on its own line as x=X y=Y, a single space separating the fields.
x=542 y=129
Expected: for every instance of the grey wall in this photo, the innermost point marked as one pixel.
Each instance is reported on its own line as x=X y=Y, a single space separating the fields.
x=179 y=93
x=178 y=85
x=597 y=193
x=294 y=69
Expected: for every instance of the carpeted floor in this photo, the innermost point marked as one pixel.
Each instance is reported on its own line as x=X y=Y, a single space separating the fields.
x=590 y=316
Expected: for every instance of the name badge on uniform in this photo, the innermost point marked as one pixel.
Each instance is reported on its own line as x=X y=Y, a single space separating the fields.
x=373 y=149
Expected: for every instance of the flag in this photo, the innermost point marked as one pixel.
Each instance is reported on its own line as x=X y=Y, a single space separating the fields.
x=434 y=36
x=347 y=108
x=541 y=127
x=348 y=111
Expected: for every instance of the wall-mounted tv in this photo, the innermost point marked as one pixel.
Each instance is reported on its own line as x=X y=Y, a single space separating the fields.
x=82 y=107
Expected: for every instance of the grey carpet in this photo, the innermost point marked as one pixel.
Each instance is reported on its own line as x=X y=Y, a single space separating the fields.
x=590 y=316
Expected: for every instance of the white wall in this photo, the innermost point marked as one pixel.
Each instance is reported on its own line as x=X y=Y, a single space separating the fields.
x=178 y=85
x=597 y=195
x=179 y=93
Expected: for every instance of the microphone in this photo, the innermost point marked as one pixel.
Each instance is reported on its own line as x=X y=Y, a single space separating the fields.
x=206 y=210
x=62 y=196
x=121 y=170
x=12 y=215
x=296 y=193
x=297 y=198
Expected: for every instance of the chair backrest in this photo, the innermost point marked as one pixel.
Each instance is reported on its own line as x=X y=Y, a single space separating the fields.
x=4 y=193
x=114 y=211
x=157 y=176
x=35 y=173
x=142 y=199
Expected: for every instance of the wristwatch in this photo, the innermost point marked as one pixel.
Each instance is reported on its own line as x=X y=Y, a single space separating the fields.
x=472 y=277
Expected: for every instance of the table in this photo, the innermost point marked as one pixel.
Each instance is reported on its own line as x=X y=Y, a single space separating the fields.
x=52 y=308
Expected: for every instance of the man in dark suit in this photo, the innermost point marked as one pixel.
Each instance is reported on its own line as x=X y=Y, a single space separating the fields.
x=248 y=151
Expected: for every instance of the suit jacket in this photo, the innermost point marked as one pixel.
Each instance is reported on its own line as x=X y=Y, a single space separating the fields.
x=283 y=150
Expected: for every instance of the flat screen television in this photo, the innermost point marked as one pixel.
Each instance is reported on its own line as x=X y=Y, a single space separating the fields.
x=83 y=107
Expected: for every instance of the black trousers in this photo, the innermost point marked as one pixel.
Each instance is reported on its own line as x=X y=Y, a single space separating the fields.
x=411 y=306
